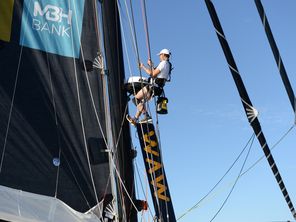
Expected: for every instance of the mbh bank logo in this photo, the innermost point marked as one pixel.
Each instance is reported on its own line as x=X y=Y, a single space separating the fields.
x=53 y=14
x=53 y=26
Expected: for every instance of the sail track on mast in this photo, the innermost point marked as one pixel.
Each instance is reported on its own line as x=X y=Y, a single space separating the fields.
x=251 y=112
x=276 y=53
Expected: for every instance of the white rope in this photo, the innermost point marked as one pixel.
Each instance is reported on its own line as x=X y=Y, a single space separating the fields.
x=90 y=92
x=146 y=102
x=126 y=191
x=13 y=98
x=124 y=41
x=10 y=110
x=146 y=179
x=125 y=47
x=133 y=34
x=57 y=125
x=80 y=107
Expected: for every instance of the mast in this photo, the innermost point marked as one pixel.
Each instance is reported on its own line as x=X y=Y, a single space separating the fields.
x=118 y=103
x=276 y=53
x=250 y=111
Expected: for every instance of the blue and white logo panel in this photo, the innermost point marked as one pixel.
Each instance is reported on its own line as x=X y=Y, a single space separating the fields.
x=53 y=26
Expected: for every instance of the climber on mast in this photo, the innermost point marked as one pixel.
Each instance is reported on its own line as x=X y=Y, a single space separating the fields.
x=158 y=77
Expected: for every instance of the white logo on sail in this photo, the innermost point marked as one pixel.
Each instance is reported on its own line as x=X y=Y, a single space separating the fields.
x=55 y=20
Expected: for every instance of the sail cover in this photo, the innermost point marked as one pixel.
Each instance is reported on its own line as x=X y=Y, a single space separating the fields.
x=52 y=121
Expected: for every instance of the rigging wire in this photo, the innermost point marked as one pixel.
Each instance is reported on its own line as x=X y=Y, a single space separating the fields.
x=144 y=13
x=139 y=176
x=79 y=103
x=11 y=108
x=122 y=183
x=230 y=192
x=242 y=174
x=148 y=110
x=56 y=123
x=115 y=149
x=146 y=27
x=113 y=160
x=13 y=97
x=273 y=147
x=220 y=180
x=132 y=27
x=135 y=44
x=135 y=36
x=250 y=111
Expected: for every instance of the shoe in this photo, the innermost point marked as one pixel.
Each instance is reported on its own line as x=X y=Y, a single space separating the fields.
x=132 y=120
x=147 y=119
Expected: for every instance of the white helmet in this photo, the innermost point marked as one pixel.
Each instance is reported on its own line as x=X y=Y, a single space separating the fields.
x=164 y=51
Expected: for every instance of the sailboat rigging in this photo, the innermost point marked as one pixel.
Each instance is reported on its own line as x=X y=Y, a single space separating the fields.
x=251 y=112
x=66 y=152
x=54 y=116
x=276 y=54
x=66 y=149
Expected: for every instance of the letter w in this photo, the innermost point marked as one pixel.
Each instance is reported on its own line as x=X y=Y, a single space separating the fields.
x=161 y=190
x=150 y=143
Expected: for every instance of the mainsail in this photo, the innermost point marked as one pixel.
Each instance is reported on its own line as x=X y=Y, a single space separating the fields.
x=53 y=126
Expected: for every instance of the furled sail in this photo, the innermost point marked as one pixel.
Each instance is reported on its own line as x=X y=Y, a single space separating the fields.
x=52 y=114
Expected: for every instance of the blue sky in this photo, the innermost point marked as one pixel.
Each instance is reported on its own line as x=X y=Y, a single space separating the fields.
x=206 y=127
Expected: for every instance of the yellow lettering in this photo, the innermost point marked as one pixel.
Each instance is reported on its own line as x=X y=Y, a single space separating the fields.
x=156 y=165
x=149 y=150
x=161 y=190
x=150 y=143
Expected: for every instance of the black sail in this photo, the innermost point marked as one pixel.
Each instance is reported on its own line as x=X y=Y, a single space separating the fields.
x=246 y=102
x=50 y=107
